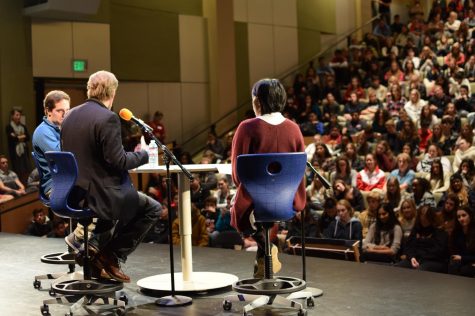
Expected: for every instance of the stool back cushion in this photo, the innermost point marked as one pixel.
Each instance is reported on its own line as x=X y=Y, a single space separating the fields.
x=64 y=172
x=271 y=180
x=44 y=199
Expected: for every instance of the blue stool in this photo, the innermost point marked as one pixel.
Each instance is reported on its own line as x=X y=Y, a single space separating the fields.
x=85 y=291
x=52 y=258
x=272 y=181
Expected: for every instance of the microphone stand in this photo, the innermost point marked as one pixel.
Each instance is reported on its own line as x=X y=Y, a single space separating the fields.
x=171 y=300
x=315 y=292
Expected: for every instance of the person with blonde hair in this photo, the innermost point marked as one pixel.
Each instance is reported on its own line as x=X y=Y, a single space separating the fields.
x=403 y=173
x=92 y=132
x=407 y=216
x=368 y=216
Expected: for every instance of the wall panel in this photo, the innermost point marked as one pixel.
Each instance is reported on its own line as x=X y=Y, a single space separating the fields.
x=261 y=52
x=240 y=10
x=145 y=44
x=52 y=49
x=259 y=11
x=166 y=98
x=284 y=12
x=91 y=41
x=194 y=108
x=193 y=49
x=285 y=49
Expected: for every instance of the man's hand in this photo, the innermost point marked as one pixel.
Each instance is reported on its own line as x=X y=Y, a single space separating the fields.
x=415 y=263
x=456 y=258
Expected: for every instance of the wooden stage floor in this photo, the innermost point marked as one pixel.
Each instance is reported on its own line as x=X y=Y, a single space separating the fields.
x=349 y=288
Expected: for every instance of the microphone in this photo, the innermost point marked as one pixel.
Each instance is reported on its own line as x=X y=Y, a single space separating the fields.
x=127 y=115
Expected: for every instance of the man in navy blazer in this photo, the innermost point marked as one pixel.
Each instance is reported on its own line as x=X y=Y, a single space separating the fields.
x=93 y=133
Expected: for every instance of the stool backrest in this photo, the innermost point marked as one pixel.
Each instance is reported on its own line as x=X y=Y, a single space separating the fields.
x=44 y=199
x=64 y=172
x=271 y=180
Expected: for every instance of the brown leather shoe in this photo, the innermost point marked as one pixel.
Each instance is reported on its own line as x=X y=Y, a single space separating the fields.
x=99 y=273
x=110 y=264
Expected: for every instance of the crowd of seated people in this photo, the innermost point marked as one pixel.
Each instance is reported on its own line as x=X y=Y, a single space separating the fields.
x=390 y=123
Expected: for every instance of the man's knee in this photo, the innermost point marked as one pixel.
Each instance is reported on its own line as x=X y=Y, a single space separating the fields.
x=153 y=208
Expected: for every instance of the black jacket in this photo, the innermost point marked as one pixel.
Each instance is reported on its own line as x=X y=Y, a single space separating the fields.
x=93 y=133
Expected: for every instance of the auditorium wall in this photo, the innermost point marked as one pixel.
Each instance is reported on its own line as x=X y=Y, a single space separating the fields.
x=161 y=50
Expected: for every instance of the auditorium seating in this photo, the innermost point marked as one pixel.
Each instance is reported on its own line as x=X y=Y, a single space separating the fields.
x=15 y=215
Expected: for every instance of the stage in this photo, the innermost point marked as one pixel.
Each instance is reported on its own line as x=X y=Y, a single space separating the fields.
x=349 y=288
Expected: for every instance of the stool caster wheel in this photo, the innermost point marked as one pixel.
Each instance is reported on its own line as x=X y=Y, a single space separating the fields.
x=37 y=284
x=302 y=312
x=45 y=310
x=124 y=298
x=227 y=305
x=310 y=302
x=51 y=292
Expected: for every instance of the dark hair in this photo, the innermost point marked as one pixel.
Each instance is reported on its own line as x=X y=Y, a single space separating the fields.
x=57 y=222
x=440 y=176
x=471 y=169
x=458 y=230
x=347 y=163
x=450 y=215
x=389 y=226
x=391 y=197
x=329 y=203
x=37 y=211
x=15 y=110
x=271 y=95
x=431 y=215
x=211 y=199
x=53 y=97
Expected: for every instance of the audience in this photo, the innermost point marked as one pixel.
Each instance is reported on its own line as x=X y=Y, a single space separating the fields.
x=10 y=184
x=383 y=241
x=344 y=226
x=40 y=225
x=462 y=259
x=404 y=91
x=426 y=247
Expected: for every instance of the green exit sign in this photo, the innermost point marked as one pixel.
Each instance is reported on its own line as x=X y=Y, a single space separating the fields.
x=79 y=65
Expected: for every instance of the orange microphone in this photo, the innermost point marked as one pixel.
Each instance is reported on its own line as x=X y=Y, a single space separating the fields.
x=127 y=115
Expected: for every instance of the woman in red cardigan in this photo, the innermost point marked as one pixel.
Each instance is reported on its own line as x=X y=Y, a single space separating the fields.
x=268 y=132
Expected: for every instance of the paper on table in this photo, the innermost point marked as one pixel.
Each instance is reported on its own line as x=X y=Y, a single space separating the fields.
x=224 y=168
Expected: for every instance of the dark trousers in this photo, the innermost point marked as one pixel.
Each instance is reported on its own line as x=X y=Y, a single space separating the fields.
x=458 y=268
x=121 y=238
x=427 y=265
